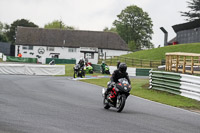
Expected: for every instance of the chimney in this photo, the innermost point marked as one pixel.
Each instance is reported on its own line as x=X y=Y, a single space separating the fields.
x=166 y=35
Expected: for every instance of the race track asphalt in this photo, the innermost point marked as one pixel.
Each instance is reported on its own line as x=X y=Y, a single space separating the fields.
x=45 y=104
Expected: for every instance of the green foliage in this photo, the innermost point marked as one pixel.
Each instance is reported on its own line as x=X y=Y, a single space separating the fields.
x=57 y=24
x=3 y=38
x=112 y=29
x=194 y=12
x=132 y=46
x=159 y=53
x=135 y=25
x=11 y=33
x=3 y=29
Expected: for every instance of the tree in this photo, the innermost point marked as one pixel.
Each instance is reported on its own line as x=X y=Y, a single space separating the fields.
x=194 y=13
x=135 y=25
x=56 y=24
x=132 y=46
x=112 y=29
x=3 y=30
x=11 y=33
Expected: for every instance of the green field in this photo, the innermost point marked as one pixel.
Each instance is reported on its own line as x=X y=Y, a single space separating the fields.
x=159 y=53
x=140 y=89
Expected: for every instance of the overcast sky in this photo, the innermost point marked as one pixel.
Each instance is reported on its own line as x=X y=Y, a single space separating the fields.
x=94 y=15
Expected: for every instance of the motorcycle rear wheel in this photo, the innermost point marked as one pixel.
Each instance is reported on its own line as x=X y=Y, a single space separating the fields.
x=121 y=103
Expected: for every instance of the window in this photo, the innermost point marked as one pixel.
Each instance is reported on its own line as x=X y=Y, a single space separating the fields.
x=30 y=47
x=27 y=47
x=50 y=48
x=89 y=55
x=71 y=49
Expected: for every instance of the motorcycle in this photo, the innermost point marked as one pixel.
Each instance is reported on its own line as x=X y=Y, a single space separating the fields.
x=78 y=72
x=89 y=69
x=107 y=69
x=117 y=96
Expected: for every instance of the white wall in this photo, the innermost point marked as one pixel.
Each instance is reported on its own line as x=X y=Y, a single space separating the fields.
x=64 y=53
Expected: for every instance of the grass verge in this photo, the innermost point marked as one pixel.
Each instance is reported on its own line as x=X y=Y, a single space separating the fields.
x=140 y=89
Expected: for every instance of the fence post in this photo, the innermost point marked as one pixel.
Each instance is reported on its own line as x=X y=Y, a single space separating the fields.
x=192 y=64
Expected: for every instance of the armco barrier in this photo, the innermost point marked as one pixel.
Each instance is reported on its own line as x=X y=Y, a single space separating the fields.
x=142 y=72
x=180 y=84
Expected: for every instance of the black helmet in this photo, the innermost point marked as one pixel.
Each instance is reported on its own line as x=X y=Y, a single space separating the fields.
x=122 y=67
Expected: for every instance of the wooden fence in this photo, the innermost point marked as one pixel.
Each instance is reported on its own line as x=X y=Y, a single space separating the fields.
x=112 y=60
x=183 y=62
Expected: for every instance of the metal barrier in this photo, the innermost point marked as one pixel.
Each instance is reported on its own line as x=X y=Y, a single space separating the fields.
x=180 y=84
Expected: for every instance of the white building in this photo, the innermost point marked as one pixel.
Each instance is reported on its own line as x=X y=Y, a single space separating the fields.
x=67 y=44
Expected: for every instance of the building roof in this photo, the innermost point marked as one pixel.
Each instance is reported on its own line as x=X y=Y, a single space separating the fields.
x=69 y=38
x=186 y=26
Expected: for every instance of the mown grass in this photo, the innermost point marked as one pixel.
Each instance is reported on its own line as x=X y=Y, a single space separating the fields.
x=140 y=89
x=159 y=53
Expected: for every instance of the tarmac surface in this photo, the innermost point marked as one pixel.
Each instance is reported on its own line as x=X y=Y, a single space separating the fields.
x=46 y=104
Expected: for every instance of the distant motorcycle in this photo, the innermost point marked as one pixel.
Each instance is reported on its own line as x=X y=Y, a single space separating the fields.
x=118 y=95
x=89 y=69
x=107 y=69
x=78 y=72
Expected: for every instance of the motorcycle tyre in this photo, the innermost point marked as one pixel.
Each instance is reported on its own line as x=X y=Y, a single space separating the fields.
x=105 y=105
x=74 y=75
x=122 y=103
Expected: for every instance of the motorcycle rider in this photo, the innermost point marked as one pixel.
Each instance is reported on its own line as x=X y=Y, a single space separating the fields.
x=118 y=63
x=117 y=74
x=103 y=64
x=82 y=64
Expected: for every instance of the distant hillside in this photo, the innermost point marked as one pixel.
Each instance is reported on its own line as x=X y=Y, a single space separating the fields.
x=159 y=53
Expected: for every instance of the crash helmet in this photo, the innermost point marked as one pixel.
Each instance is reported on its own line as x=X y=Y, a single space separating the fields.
x=81 y=59
x=122 y=67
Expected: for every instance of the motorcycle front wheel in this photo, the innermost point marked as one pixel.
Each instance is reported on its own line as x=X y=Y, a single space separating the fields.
x=120 y=102
x=105 y=103
x=74 y=74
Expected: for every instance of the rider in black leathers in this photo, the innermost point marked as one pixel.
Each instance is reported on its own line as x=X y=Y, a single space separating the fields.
x=82 y=64
x=117 y=74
